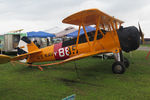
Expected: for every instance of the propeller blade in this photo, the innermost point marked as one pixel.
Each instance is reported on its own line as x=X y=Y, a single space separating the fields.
x=141 y=33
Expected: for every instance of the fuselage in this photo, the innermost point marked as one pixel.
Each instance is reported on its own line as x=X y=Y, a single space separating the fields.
x=67 y=49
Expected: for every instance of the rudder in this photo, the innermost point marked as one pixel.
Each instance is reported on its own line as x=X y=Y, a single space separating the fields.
x=25 y=45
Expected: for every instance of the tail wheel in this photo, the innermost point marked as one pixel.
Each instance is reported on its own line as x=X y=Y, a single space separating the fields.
x=126 y=62
x=118 y=67
x=30 y=65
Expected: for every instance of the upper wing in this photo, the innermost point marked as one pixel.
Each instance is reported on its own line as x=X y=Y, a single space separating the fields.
x=23 y=56
x=79 y=57
x=90 y=17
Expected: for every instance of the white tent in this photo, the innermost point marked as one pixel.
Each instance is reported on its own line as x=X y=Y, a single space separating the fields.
x=66 y=31
x=53 y=30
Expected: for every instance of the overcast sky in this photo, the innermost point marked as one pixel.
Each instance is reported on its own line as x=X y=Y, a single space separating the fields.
x=34 y=15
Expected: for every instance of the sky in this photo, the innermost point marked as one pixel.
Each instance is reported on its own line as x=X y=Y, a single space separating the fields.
x=39 y=15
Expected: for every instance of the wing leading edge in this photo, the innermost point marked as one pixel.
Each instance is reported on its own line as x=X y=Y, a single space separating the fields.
x=90 y=17
x=80 y=56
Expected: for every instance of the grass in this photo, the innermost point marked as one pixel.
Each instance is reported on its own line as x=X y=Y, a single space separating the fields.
x=145 y=45
x=97 y=82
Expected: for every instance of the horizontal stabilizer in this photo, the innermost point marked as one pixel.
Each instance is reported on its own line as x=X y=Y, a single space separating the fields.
x=4 y=59
x=23 y=56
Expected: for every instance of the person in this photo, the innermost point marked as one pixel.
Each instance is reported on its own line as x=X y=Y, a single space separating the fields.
x=47 y=42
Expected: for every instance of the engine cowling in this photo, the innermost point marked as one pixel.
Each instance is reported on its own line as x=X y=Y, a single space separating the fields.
x=129 y=38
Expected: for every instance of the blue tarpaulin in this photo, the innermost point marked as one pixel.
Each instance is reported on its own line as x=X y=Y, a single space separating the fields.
x=40 y=34
x=75 y=33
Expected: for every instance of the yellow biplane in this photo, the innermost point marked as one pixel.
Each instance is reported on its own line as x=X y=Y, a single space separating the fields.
x=103 y=40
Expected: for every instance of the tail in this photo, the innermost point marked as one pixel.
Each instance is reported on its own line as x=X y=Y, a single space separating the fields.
x=26 y=46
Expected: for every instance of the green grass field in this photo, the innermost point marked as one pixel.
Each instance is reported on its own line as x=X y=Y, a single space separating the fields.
x=145 y=45
x=97 y=82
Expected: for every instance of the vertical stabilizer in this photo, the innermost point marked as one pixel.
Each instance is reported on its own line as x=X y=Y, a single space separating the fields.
x=25 y=46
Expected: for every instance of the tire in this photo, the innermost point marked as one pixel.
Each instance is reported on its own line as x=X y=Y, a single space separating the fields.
x=126 y=63
x=118 y=68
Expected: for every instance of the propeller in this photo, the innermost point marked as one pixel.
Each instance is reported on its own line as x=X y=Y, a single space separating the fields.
x=141 y=33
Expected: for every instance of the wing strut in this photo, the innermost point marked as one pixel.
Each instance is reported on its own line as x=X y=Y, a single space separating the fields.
x=116 y=35
x=78 y=38
x=87 y=37
x=96 y=32
x=103 y=26
x=116 y=25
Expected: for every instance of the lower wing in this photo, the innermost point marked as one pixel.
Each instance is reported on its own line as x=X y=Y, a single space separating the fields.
x=83 y=55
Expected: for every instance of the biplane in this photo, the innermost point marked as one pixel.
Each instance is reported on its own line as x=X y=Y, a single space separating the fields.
x=107 y=38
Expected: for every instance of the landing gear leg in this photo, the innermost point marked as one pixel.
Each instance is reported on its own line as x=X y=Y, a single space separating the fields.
x=118 y=66
x=124 y=60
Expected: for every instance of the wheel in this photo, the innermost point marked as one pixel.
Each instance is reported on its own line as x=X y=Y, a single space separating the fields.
x=126 y=62
x=118 y=67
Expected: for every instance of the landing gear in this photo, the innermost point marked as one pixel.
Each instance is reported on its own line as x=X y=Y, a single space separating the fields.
x=126 y=62
x=120 y=64
x=118 y=67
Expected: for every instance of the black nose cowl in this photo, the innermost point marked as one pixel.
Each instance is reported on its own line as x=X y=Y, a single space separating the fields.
x=129 y=38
